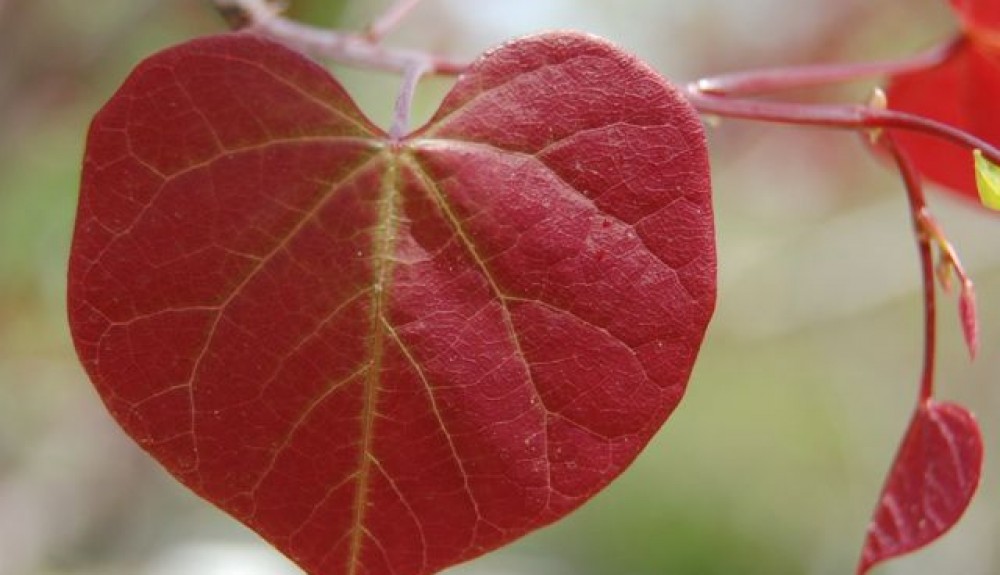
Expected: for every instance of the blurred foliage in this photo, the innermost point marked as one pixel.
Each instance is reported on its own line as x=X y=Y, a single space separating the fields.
x=772 y=463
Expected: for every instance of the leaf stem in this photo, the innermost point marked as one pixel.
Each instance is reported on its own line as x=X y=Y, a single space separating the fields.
x=404 y=100
x=847 y=116
x=786 y=78
x=353 y=49
x=921 y=216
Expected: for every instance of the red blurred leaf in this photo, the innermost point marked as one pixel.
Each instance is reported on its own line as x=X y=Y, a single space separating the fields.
x=964 y=92
x=983 y=15
x=392 y=357
x=934 y=476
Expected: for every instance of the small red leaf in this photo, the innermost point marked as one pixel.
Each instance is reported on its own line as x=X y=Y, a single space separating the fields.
x=969 y=317
x=389 y=357
x=980 y=14
x=932 y=480
x=963 y=91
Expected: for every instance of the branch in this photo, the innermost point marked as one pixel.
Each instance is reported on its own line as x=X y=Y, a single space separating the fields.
x=353 y=49
x=846 y=116
x=774 y=79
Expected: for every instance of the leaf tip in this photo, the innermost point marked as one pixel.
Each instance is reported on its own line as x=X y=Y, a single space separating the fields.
x=987 y=180
x=866 y=562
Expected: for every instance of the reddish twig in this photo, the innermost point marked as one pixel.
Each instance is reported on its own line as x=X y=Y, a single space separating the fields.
x=920 y=215
x=715 y=96
x=775 y=79
x=354 y=49
x=848 y=116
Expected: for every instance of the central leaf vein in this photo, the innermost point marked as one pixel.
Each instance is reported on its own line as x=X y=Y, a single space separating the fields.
x=383 y=240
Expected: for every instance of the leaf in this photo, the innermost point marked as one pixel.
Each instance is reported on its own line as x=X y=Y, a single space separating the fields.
x=932 y=481
x=963 y=91
x=987 y=181
x=390 y=357
x=980 y=15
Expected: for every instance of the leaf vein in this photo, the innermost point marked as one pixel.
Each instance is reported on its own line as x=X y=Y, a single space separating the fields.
x=438 y=198
x=252 y=272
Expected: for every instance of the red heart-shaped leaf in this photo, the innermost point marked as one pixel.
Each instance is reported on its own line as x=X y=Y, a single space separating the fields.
x=963 y=91
x=389 y=357
x=932 y=481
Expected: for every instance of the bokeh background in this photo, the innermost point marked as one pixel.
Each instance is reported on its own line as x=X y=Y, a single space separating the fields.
x=773 y=462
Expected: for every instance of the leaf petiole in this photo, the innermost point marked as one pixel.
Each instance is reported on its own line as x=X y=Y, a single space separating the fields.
x=919 y=212
x=404 y=100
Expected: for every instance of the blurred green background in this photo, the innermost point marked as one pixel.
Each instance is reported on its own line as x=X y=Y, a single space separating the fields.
x=773 y=462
